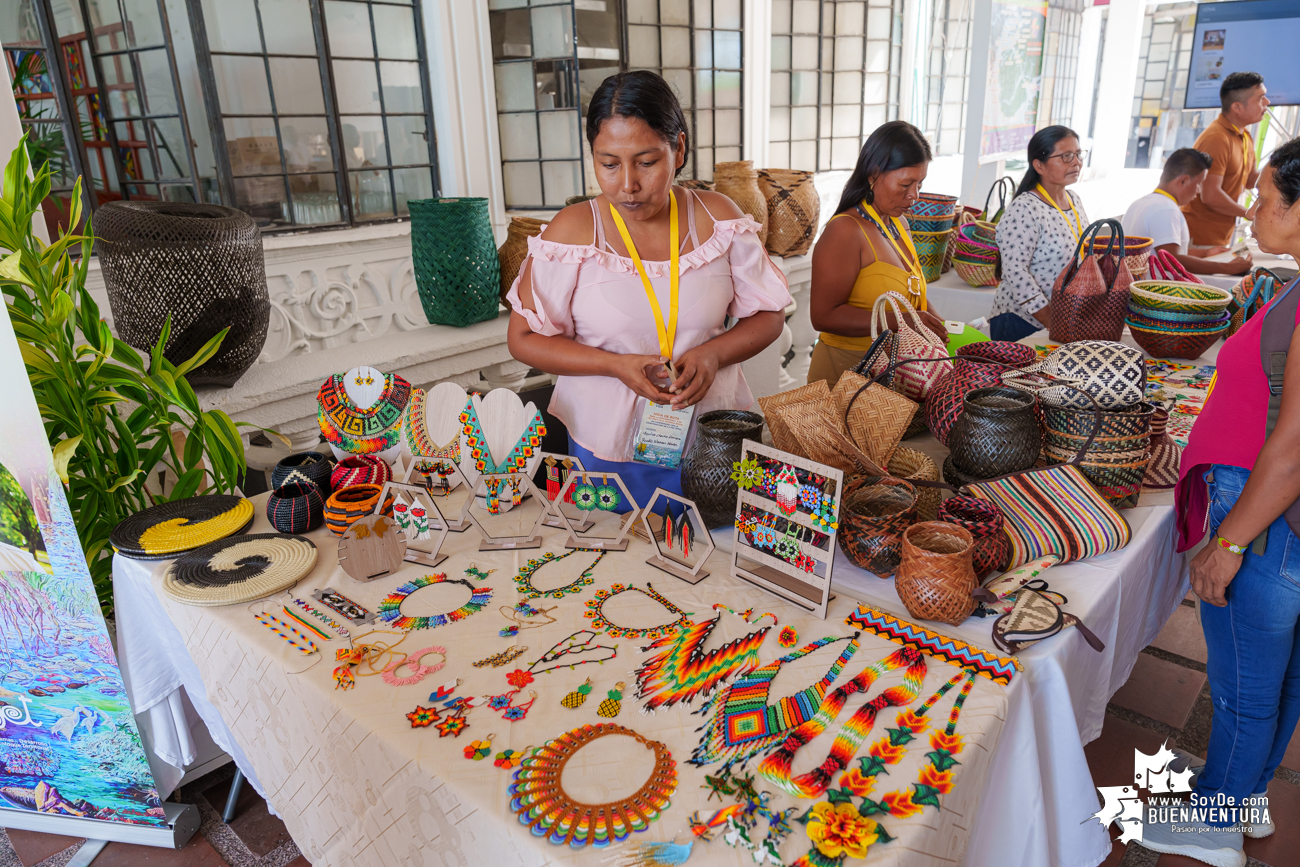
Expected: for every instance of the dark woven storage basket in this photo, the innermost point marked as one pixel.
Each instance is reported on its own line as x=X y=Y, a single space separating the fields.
x=955 y=477
x=360 y=470
x=996 y=433
x=874 y=512
x=706 y=468
x=311 y=467
x=296 y=507
x=1132 y=421
x=935 y=577
x=201 y=265
x=454 y=254
x=984 y=522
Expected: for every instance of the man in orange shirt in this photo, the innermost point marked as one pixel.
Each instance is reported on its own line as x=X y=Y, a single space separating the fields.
x=1212 y=215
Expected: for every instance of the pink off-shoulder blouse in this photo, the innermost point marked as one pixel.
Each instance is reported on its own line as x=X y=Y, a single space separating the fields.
x=594 y=296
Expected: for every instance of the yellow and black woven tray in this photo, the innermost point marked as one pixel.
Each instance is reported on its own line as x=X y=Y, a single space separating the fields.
x=239 y=569
x=168 y=529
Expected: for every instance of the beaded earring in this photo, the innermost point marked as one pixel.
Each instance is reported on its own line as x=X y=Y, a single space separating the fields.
x=584 y=494
x=613 y=703
x=578 y=696
x=607 y=497
x=479 y=750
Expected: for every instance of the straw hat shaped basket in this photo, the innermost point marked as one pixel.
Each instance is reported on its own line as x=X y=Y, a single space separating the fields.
x=793 y=208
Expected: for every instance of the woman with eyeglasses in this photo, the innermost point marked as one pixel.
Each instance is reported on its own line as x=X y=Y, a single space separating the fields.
x=1038 y=234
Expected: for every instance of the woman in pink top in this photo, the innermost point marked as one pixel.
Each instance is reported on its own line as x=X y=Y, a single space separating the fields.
x=582 y=311
x=1237 y=480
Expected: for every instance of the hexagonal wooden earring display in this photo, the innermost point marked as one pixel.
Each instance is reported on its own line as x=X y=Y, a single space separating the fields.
x=422 y=551
x=580 y=537
x=557 y=517
x=455 y=525
x=668 y=554
x=498 y=543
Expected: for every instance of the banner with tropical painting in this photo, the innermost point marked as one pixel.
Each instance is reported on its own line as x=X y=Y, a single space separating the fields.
x=68 y=741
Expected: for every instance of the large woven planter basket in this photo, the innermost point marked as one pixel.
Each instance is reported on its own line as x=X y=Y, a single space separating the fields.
x=793 y=208
x=739 y=182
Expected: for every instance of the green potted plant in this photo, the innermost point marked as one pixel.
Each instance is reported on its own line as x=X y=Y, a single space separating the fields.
x=127 y=430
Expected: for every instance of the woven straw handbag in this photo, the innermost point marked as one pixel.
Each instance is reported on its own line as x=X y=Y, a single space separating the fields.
x=1090 y=296
x=935 y=577
x=1033 y=618
x=1091 y=372
x=911 y=340
x=875 y=417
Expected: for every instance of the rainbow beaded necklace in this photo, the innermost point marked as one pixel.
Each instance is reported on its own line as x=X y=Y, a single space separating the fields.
x=681 y=669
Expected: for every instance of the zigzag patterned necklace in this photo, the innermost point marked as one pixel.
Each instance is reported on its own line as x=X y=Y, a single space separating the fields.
x=682 y=670
x=517 y=460
x=362 y=431
x=741 y=724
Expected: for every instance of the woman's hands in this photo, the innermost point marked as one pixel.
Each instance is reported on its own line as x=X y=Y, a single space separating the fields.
x=645 y=375
x=1212 y=571
x=935 y=324
x=696 y=369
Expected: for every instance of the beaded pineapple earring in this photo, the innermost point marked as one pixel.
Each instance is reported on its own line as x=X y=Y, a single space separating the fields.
x=578 y=696
x=614 y=703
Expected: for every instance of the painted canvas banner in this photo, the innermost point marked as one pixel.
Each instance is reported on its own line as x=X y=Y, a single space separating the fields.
x=68 y=741
x=1015 y=78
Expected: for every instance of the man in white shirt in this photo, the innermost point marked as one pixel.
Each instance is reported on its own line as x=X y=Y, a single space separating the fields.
x=1158 y=215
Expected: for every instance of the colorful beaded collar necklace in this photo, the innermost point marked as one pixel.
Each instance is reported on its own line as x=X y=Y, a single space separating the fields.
x=517 y=460
x=362 y=431
x=415 y=430
x=390 y=610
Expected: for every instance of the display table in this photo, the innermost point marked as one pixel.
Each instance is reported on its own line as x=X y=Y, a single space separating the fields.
x=357 y=785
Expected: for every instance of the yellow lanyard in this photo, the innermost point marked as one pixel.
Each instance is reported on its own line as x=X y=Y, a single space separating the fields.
x=666 y=334
x=1076 y=228
x=1165 y=193
x=913 y=263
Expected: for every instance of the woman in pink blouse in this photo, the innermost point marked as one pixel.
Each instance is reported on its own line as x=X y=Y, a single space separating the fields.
x=581 y=309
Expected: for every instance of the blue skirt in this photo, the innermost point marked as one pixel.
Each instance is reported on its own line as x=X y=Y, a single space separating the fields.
x=641 y=479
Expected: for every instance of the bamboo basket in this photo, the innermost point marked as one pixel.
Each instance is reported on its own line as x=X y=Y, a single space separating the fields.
x=738 y=181
x=515 y=249
x=793 y=208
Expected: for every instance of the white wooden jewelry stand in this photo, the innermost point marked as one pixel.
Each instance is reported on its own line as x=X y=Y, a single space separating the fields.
x=499 y=543
x=583 y=538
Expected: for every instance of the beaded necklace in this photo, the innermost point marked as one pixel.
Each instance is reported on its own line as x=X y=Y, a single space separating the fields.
x=569 y=645
x=362 y=431
x=680 y=669
x=415 y=431
x=596 y=614
x=390 y=610
x=524 y=580
x=517 y=460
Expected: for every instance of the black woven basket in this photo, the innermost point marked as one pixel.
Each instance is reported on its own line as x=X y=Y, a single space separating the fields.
x=201 y=265
x=311 y=467
x=297 y=507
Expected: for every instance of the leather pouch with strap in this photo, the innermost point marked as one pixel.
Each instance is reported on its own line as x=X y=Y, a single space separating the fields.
x=1274 y=343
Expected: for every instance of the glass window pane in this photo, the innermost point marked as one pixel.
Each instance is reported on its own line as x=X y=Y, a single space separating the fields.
x=507 y=4
x=778 y=155
x=844 y=153
x=726 y=50
x=779 y=124
x=676 y=46
x=704 y=18
x=780 y=52
x=675 y=11
x=642 y=47
x=598 y=32
x=726 y=14
x=561 y=180
x=514 y=84
x=703 y=49
x=880 y=22
x=803 y=122
x=703 y=129
x=518 y=136
x=348 y=26
x=591 y=73
x=296 y=84
x=553 y=33
x=406 y=142
x=643 y=11
x=560 y=135
x=850 y=19
x=848 y=88
x=251 y=144
x=315 y=199
x=142 y=26
x=781 y=17
x=704 y=164
x=160 y=96
x=555 y=84
x=877 y=57
x=803 y=52
x=726 y=89
x=704 y=88
x=372 y=199
x=848 y=52
x=171 y=147
x=355 y=87
x=363 y=141
x=395 y=32
x=411 y=184
x=680 y=80
x=306 y=143
x=803 y=155
x=263 y=199
x=512 y=34
x=122 y=101
x=241 y=85
x=780 y=88
x=402 y=90
x=726 y=127
x=726 y=155
x=286 y=26
x=227 y=25
x=803 y=88
x=846 y=121
x=523 y=183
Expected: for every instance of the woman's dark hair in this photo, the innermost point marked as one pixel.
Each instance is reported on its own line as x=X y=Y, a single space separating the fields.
x=1040 y=148
x=1286 y=171
x=642 y=94
x=894 y=145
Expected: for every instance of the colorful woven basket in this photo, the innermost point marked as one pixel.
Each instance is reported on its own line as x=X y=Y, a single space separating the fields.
x=312 y=467
x=347 y=506
x=1137 y=250
x=931 y=205
x=976 y=274
x=361 y=470
x=1004 y=351
x=1132 y=421
x=984 y=522
x=1176 y=344
x=928 y=224
x=1179 y=297
x=1220 y=318
x=297 y=507
x=1155 y=313
x=874 y=512
x=930 y=249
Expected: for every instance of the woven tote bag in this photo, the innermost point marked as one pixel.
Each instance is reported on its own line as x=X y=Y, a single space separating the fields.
x=1105 y=372
x=1090 y=296
x=875 y=417
x=912 y=340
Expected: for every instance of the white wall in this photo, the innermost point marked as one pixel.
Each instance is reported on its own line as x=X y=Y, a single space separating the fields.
x=1115 y=89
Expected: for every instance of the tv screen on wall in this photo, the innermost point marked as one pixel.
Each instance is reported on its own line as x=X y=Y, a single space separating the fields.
x=1247 y=36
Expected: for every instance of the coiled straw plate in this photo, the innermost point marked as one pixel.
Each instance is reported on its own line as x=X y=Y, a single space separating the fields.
x=168 y=529
x=239 y=569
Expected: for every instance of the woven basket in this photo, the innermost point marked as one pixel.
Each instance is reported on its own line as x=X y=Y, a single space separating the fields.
x=947 y=399
x=360 y=470
x=912 y=465
x=739 y=182
x=793 y=209
x=1002 y=351
x=1179 y=297
x=1163 y=456
x=931 y=205
x=972 y=238
x=454 y=256
x=312 y=467
x=956 y=477
x=976 y=275
x=997 y=432
x=967 y=214
x=1219 y=320
x=935 y=576
x=1155 y=314
x=874 y=512
x=200 y=265
x=928 y=224
x=706 y=469
x=930 y=250
x=877 y=420
x=297 y=507
x=1116 y=476
x=690 y=184
x=1131 y=421
x=348 y=505
x=1100 y=445
x=1137 y=250
x=773 y=405
x=514 y=251
x=984 y=522
x=1175 y=344
x=239 y=570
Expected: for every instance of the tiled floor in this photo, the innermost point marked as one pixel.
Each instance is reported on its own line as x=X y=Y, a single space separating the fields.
x=254 y=838
x=1166 y=697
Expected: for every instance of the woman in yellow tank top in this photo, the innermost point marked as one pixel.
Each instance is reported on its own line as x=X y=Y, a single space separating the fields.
x=866 y=250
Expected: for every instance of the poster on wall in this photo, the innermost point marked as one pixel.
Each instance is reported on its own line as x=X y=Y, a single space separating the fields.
x=1015 y=78
x=68 y=741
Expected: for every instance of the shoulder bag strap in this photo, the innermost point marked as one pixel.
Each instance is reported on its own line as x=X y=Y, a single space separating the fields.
x=1274 y=343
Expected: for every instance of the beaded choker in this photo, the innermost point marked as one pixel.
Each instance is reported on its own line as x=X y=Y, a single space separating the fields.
x=362 y=431
x=390 y=609
x=596 y=614
x=415 y=430
x=524 y=580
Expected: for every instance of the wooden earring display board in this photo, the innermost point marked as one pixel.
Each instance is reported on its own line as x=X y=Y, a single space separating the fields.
x=583 y=538
x=668 y=557
x=422 y=551
x=809 y=590
x=559 y=516
x=500 y=543
x=372 y=547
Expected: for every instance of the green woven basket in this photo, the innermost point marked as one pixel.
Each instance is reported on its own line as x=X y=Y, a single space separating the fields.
x=454 y=252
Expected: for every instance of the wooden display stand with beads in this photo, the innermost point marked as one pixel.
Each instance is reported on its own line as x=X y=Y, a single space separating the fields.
x=426 y=554
x=456 y=477
x=582 y=538
x=501 y=543
x=666 y=557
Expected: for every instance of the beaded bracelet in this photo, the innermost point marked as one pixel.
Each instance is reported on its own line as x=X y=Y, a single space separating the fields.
x=323 y=618
x=297 y=641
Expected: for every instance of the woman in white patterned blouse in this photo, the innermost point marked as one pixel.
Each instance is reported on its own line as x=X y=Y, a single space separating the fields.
x=1038 y=234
